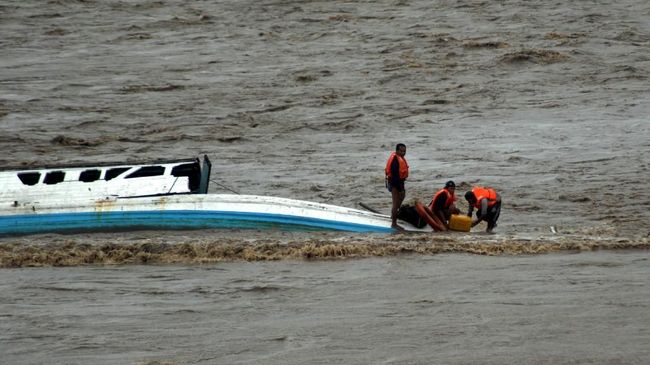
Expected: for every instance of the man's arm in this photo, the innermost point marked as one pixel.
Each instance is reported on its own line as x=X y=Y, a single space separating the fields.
x=484 y=207
x=394 y=172
x=481 y=213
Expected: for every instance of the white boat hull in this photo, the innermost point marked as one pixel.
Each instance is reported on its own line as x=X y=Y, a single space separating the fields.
x=192 y=211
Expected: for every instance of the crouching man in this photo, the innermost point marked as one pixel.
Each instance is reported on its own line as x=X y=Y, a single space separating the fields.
x=488 y=206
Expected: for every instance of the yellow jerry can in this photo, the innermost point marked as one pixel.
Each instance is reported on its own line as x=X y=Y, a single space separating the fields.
x=459 y=222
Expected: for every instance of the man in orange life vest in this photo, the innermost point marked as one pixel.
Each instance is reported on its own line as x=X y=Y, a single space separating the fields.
x=442 y=204
x=488 y=204
x=397 y=170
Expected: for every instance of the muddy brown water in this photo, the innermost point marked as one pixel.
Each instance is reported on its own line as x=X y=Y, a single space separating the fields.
x=545 y=101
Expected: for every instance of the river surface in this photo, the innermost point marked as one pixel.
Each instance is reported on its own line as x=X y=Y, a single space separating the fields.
x=588 y=308
x=545 y=101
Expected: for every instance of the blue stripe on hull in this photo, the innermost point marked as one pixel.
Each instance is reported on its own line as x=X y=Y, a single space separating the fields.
x=168 y=219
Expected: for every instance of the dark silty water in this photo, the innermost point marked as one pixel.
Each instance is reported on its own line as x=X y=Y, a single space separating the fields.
x=545 y=101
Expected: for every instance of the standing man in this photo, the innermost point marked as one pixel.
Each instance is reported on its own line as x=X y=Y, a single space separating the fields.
x=442 y=204
x=397 y=170
x=488 y=204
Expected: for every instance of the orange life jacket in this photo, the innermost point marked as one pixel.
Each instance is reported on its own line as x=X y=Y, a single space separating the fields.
x=484 y=193
x=403 y=166
x=451 y=198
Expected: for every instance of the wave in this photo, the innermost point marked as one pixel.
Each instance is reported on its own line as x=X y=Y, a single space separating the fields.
x=72 y=253
x=539 y=56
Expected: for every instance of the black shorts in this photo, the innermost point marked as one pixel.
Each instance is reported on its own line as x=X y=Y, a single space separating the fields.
x=400 y=187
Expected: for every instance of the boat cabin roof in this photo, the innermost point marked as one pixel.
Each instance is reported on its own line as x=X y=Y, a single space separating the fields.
x=123 y=179
x=82 y=165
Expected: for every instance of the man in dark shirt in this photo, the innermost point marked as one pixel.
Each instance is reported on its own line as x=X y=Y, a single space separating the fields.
x=488 y=206
x=442 y=204
x=396 y=174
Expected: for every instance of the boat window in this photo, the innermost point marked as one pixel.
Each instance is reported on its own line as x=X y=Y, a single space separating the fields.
x=54 y=177
x=89 y=175
x=147 y=171
x=29 y=178
x=192 y=171
x=115 y=172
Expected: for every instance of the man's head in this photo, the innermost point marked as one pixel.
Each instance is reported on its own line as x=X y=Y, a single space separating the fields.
x=470 y=197
x=400 y=149
x=450 y=185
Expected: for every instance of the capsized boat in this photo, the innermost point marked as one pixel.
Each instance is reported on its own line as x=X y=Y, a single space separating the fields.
x=155 y=195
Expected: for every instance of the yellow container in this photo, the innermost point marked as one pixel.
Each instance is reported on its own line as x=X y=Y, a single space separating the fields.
x=459 y=222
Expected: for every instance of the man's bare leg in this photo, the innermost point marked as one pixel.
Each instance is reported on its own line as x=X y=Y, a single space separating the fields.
x=398 y=198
